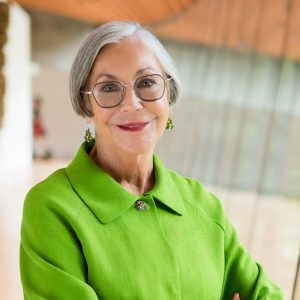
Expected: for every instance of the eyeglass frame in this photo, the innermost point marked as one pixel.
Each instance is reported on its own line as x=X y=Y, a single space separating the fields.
x=124 y=85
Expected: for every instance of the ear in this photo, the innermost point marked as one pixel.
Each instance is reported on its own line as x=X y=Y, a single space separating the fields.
x=89 y=120
x=172 y=90
x=168 y=93
x=88 y=106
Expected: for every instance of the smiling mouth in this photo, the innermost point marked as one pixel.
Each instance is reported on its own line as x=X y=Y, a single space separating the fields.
x=133 y=127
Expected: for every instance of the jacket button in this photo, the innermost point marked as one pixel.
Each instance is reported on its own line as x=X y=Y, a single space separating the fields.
x=141 y=205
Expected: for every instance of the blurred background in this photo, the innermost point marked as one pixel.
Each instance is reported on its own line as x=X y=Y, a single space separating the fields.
x=237 y=128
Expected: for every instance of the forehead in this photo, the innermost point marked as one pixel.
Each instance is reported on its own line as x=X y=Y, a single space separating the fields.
x=124 y=58
x=126 y=47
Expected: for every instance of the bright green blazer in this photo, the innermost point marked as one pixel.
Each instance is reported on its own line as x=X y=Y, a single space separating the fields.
x=82 y=237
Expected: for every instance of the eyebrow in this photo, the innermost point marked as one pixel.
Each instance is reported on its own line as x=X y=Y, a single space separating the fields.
x=112 y=77
x=141 y=71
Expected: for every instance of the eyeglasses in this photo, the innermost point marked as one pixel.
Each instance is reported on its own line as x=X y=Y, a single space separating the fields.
x=109 y=94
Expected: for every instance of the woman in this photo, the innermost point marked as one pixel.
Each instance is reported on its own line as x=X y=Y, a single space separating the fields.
x=116 y=224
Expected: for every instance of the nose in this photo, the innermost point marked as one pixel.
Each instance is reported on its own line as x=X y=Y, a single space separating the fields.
x=131 y=102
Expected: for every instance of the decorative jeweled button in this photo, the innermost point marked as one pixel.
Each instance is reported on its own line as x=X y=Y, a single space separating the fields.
x=141 y=205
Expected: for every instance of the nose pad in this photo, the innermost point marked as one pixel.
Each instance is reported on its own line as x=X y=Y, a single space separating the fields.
x=131 y=101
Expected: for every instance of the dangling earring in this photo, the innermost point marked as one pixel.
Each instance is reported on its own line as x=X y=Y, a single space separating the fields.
x=169 y=124
x=88 y=137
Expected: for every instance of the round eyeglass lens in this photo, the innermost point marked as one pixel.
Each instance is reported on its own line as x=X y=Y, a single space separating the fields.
x=108 y=94
x=150 y=87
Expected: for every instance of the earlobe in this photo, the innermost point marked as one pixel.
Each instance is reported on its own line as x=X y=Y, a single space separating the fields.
x=89 y=120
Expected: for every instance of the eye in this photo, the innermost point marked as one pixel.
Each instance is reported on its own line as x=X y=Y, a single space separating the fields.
x=108 y=87
x=146 y=82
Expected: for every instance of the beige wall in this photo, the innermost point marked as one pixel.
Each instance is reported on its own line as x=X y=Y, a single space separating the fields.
x=15 y=149
x=15 y=135
x=64 y=129
x=55 y=41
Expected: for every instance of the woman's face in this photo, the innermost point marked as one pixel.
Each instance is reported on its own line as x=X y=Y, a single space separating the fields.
x=135 y=125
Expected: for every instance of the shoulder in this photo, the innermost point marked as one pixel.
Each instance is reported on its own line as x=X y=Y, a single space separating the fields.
x=57 y=183
x=52 y=196
x=196 y=196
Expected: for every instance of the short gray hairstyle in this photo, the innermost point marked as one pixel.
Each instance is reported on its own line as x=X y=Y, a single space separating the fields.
x=114 y=32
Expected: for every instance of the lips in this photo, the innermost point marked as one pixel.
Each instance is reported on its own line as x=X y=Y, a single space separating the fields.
x=133 y=127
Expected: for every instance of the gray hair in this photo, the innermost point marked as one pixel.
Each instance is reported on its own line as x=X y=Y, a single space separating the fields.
x=114 y=32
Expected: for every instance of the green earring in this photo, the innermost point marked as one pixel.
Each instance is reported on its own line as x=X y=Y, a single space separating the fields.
x=88 y=137
x=169 y=124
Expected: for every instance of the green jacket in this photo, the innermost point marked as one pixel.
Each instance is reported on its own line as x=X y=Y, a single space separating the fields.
x=82 y=237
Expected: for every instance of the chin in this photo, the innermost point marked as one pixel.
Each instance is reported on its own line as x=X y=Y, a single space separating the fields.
x=135 y=143
x=138 y=148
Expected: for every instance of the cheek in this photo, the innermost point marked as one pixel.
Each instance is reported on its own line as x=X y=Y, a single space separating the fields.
x=165 y=108
x=163 y=112
x=101 y=117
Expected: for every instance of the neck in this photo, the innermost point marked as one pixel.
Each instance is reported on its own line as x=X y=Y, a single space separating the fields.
x=133 y=171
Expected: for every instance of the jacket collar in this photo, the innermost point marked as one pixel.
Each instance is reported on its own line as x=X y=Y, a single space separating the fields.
x=108 y=199
x=165 y=188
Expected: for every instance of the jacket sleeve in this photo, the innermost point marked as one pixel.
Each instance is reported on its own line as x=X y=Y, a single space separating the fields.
x=242 y=274
x=52 y=264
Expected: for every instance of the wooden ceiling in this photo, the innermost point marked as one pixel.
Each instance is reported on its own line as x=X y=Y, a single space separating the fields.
x=100 y=11
x=267 y=26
